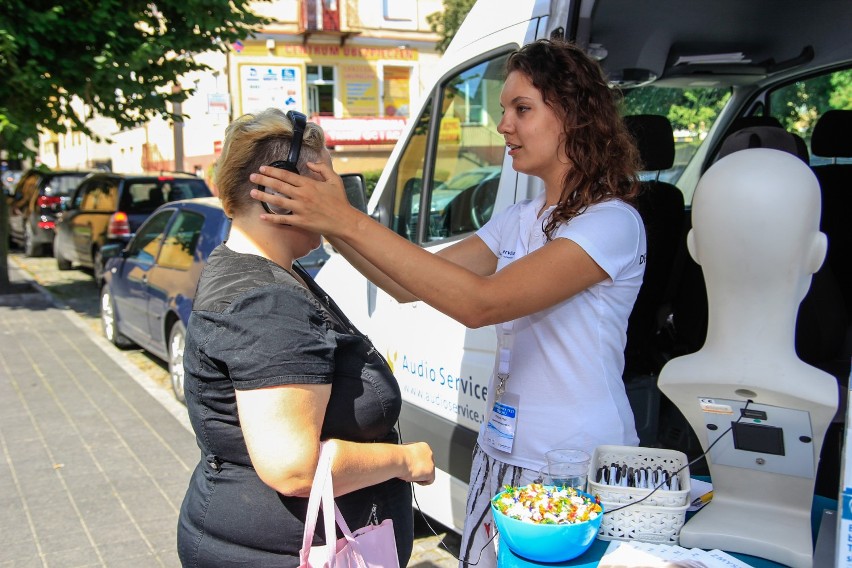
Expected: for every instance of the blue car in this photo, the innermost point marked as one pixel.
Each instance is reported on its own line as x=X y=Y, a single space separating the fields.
x=149 y=284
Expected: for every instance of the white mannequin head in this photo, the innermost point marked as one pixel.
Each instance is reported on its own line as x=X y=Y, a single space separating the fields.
x=755 y=218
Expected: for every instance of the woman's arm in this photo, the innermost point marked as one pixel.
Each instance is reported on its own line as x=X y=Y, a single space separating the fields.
x=469 y=293
x=281 y=427
x=470 y=253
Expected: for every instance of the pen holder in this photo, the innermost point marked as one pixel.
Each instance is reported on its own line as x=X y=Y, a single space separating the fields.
x=658 y=518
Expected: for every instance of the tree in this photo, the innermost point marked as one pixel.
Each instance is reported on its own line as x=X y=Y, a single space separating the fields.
x=119 y=57
x=447 y=23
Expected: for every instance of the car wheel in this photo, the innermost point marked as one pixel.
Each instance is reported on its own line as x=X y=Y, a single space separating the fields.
x=108 y=321
x=61 y=263
x=177 y=342
x=30 y=248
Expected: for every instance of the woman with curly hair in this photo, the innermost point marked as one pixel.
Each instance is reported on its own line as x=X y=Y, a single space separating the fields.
x=558 y=274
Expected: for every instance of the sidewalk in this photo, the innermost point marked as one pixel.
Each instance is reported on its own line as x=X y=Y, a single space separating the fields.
x=94 y=467
x=94 y=455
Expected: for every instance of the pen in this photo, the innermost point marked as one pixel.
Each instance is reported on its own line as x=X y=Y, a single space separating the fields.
x=703 y=500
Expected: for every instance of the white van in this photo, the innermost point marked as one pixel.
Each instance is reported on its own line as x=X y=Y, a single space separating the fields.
x=706 y=66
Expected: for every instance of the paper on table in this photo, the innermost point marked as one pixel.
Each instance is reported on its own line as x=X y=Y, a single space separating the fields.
x=635 y=554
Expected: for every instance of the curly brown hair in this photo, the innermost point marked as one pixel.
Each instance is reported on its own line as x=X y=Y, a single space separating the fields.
x=603 y=154
x=255 y=140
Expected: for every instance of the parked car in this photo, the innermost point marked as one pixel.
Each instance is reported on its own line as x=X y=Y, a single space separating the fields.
x=149 y=284
x=34 y=202
x=109 y=207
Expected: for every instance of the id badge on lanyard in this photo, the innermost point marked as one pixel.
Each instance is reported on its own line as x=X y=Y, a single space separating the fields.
x=503 y=418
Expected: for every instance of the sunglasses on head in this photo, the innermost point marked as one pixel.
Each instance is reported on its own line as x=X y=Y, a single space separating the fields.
x=299 y=122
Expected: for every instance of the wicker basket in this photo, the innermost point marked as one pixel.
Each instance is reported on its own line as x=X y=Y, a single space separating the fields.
x=643 y=523
x=637 y=457
x=658 y=518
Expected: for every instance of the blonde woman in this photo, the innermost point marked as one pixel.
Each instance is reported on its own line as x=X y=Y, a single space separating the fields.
x=272 y=369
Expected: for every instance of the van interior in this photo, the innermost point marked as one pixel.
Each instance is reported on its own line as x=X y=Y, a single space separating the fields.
x=691 y=75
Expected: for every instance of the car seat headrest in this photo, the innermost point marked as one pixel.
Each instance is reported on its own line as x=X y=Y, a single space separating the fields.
x=772 y=137
x=654 y=138
x=752 y=121
x=832 y=137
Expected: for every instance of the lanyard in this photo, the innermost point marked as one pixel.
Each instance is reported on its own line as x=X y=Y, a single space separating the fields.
x=505 y=340
x=505 y=331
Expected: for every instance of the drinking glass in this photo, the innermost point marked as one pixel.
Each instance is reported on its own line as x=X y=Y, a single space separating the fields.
x=568 y=474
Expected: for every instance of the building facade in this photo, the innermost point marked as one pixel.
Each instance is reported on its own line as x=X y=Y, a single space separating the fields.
x=353 y=66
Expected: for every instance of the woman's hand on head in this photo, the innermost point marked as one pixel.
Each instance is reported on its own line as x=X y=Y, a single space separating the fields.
x=317 y=203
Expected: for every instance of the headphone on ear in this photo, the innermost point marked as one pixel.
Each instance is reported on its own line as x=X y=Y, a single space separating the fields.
x=299 y=122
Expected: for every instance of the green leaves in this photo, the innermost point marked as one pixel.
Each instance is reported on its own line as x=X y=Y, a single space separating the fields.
x=116 y=56
x=447 y=23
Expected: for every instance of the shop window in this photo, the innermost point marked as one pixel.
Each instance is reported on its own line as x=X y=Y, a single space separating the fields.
x=397 y=93
x=321 y=86
x=405 y=10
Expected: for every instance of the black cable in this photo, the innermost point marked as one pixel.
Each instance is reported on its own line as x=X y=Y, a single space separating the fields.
x=703 y=454
x=441 y=542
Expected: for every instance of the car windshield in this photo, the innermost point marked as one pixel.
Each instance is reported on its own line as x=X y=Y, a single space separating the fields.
x=63 y=185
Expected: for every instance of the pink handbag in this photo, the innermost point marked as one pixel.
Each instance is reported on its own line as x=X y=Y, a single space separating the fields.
x=372 y=546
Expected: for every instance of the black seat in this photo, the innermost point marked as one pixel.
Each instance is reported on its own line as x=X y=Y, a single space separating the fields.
x=832 y=138
x=661 y=205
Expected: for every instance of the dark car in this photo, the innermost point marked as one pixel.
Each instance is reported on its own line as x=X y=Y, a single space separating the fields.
x=149 y=285
x=34 y=203
x=109 y=208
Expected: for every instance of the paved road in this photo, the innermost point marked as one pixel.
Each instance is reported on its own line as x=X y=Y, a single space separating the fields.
x=76 y=291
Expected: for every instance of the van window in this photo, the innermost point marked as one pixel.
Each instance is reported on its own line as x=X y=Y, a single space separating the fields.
x=470 y=151
x=468 y=155
x=691 y=113
x=798 y=106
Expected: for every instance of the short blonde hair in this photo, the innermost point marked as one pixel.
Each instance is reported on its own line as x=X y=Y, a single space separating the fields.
x=255 y=140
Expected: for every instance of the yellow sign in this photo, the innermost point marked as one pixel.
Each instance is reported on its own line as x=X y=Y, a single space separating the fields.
x=360 y=90
x=311 y=51
x=450 y=129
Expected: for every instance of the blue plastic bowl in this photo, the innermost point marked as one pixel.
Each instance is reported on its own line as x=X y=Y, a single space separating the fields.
x=545 y=543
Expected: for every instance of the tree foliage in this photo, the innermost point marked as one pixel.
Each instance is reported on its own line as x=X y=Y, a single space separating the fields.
x=800 y=104
x=693 y=110
x=119 y=57
x=447 y=23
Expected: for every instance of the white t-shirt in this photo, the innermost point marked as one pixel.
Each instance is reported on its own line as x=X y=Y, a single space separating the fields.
x=567 y=360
